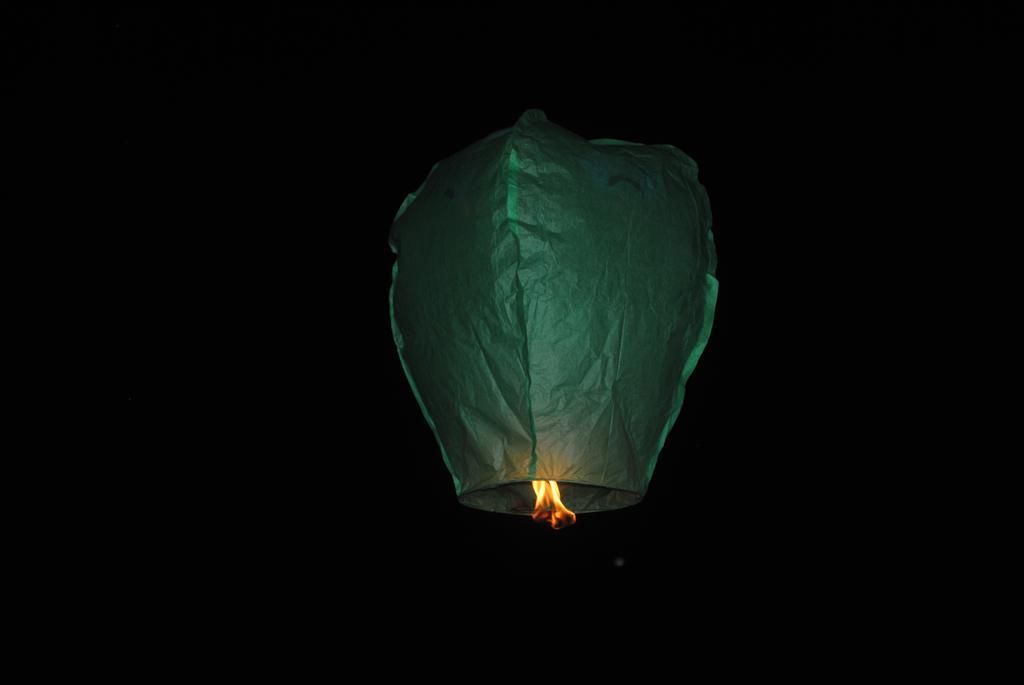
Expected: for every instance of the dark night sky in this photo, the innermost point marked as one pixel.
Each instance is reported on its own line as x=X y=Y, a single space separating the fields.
x=254 y=160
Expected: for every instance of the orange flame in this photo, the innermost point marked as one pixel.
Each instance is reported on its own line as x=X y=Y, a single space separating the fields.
x=549 y=505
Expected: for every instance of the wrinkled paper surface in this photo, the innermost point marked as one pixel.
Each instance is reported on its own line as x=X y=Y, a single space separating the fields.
x=550 y=298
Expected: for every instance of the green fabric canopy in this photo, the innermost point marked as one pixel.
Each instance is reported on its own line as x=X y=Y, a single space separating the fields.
x=550 y=298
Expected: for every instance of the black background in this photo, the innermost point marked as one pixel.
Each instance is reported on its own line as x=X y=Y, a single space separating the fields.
x=253 y=160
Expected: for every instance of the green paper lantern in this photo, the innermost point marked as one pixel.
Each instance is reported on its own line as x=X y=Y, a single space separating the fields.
x=550 y=297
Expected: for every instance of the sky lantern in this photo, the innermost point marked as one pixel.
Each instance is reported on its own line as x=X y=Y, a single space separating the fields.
x=550 y=297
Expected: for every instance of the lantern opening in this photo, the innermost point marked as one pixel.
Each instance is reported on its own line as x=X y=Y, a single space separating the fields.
x=519 y=497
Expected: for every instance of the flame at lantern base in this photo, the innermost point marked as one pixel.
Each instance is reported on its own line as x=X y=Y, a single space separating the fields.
x=549 y=507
